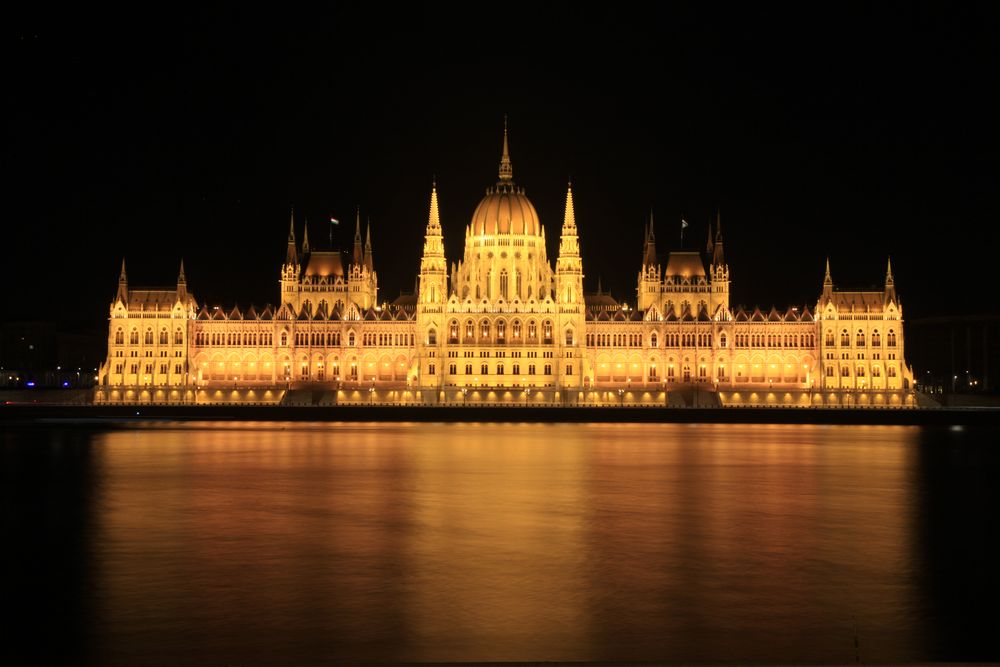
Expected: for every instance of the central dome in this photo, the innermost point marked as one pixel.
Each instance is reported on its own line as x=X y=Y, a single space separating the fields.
x=505 y=209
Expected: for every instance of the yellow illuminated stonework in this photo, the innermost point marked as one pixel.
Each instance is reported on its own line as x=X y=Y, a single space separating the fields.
x=503 y=326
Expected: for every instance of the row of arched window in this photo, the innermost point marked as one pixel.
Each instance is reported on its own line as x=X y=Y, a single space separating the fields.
x=775 y=340
x=859 y=338
x=497 y=332
x=233 y=338
x=148 y=337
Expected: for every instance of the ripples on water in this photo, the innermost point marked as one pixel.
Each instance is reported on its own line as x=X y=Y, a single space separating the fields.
x=287 y=543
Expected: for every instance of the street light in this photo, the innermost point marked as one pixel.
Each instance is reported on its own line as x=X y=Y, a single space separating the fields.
x=371 y=395
x=527 y=395
x=465 y=391
x=621 y=398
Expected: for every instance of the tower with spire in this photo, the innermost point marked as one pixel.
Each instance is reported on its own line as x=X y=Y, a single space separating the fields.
x=569 y=296
x=650 y=274
x=718 y=270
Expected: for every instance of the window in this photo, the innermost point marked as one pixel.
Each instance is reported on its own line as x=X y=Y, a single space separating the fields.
x=845 y=372
x=517 y=369
x=163 y=369
x=876 y=372
x=722 y=340
x=178 y=337
x=891 y=371
x=452 y=369
x=532 y=329
x=432 y=336
x=845 y=338
x=861 y=338
x=133 y=337
x=548 y=369
x=453 y=331
x=430 y=369
x=484 y=329
x=118 y=369
x=484 y=369
x=652 y=340
x=569 y=336
x=148 y=338
x=163 y=337
x=350 y=339
x=499 y=369
x=547 y=331
x=516 y=329
x=501 y=330
x=891 y=338
x=569 y=369
x=861 y=371
x=503 y=284
x=284 y=338
x=468 y=369
x=829 y=371
x=531 y=369
x=876 y=339
x=119 y=337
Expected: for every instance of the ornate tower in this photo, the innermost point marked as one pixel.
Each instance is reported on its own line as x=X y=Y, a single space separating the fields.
x=569 y=297
x=718 y=269
x=291 y=269
x=431 y=297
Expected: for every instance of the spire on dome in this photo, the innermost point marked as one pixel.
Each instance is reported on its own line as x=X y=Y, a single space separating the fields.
x=506 y=169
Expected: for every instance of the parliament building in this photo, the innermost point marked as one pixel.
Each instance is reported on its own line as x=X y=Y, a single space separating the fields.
x=503 y=325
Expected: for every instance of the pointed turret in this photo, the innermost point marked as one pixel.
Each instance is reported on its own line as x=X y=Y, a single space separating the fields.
x=709 y=244
x=649 y=248
x=506 y=169
x=122 y=294
x=569 y=267
x=827 y=281
x=181 y=283
x=718 y=256
x=305 y=238
x=358 y=251
x=369 y=260
x=890 y=284
x=291 y=255
x=433 y=267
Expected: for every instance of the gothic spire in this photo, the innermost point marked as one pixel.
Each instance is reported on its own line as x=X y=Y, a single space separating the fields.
x=569 y=218
x=305 y=237
x=888 y=272
x=827 y=279
x=291 y=255
x=358 y=252
x=718 y=256
x=368 y=246
x=122 y=277
x=180 y=276
x=122 y=285
x=434 y=218
x=649 y=250
x=506 y=169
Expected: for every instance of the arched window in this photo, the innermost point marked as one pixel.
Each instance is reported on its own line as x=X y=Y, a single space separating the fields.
x=501 y=330
x=845 y=338
x=845 y=372
x=876 y=338
x=532 y=329
x=517 y=284
x=652 y=342
x=119 y=337
x=861 y=338
x=503 y=284
x=569 y=336
x=453 y=331
x=500 y=368
x=861 y=371
x=432 y=336
x=148 y=338
x=178 y=337
x=722 y=340
x=470 y=330
x=484 y=329
x=516 y=329
x=891 y=371
x=163 y=337
x=350 y=341
x=891 y=338
x=284 y=338
x=547 y=331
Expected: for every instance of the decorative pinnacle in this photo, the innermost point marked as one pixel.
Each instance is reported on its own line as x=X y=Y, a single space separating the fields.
x=827 y=278
x=180 y=276
x=122 y=277
x=433 y=218
x=888 y=272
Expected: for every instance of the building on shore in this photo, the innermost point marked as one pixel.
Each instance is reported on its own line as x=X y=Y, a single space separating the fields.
x=504 y=325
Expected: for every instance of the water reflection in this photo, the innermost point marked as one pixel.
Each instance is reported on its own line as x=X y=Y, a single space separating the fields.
x=285 y=544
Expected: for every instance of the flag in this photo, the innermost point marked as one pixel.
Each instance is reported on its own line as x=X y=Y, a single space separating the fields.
x=334 y=221
x=684 y=223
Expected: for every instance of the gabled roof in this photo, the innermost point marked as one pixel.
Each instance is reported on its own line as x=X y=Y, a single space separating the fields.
x=671 y=315
x=756 y=316
x=370 y=315
x=251 y=313
x=807 y=315
x=267 y=313
x=203 y=314
x=684 y=264
x=217 y=314
x=703 y=315
x=235 y=314
x=741 y=315
x=774 y=315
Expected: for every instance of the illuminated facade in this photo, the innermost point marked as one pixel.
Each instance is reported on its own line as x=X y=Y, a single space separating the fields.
x=502 y=325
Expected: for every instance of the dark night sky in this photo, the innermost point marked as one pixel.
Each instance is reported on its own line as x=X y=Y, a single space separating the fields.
x=854 y=134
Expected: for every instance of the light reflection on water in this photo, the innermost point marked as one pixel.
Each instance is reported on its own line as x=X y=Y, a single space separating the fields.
x=262 y=544
x=290 y=543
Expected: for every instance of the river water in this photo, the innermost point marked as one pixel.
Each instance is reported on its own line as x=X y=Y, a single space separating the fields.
x=281 y=543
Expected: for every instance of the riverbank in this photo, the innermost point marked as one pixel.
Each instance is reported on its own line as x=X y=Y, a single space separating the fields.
x=123 y=414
